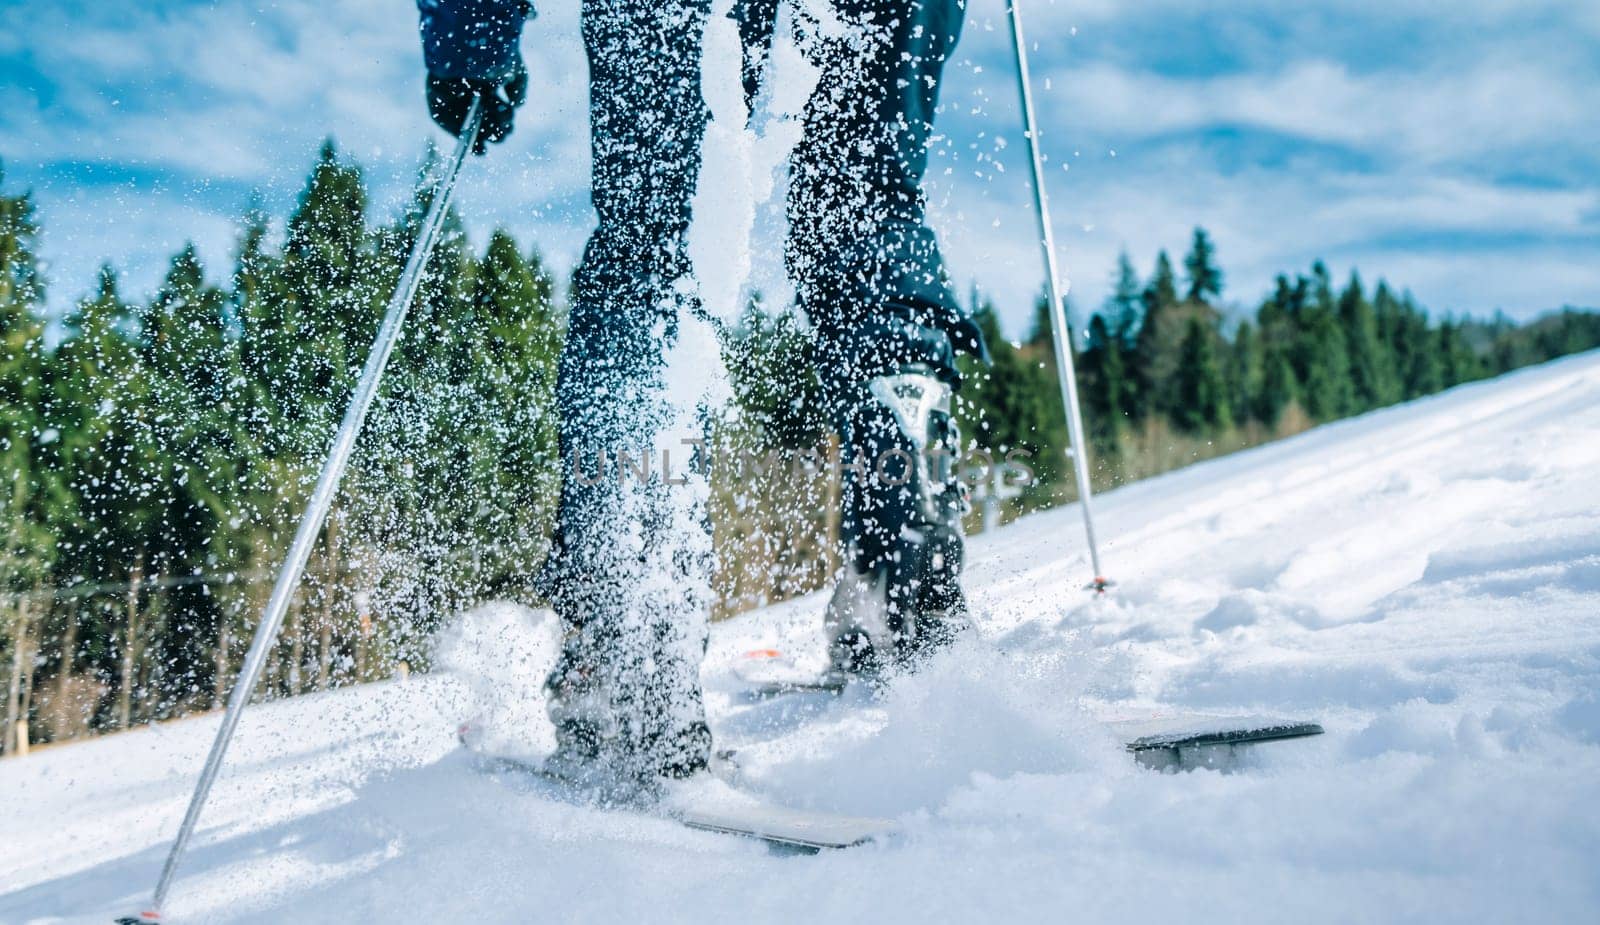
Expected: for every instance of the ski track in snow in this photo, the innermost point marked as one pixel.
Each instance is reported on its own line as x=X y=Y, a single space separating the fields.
x=1424 y=580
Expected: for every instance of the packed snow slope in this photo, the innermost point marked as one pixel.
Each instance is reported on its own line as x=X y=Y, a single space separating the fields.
x=1425 y=581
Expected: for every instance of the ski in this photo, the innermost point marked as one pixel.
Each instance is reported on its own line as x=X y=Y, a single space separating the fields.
x=770 y=673
x=1186 y=741
x=1161 y=742
x=830 y=685
x=716 y=806
x=1176 y=742
x=806 y=830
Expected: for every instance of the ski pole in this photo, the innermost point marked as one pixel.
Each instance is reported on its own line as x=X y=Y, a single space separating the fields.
x=317 y=509
x=1059 y=325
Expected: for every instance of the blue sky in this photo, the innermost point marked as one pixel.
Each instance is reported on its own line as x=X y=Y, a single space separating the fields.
x=1452 y=148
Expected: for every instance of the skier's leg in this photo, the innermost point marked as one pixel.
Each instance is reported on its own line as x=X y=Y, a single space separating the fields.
x=870 y=276
x=859 y=236
x=629 y=570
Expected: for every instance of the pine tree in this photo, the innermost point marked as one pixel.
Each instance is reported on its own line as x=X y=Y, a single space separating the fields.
x=258 y=305
x=21 y=284
x=1416 y=351
x=179 y=441
x=418 y=498
x=184 y=337
x=1278 y=321
x=32 y=495
x=1247 y=372
x=1123 y=308
x=32 y=492
x=437 y=329
x=515 y=345
x=1276 y=316
x=1205 y=278
x=771 y=362
x=319 y=330
x=1321 y=286
x=1104 y=385
x=259 y=419
x=269 y=430
x=1162 y=290
x=1279 y=387
x=1320 y=355
x=96 y=394
x=1458 y=362
x=1388 y=317
x=256 y=473
x=1156 y=347
x=1202 y=400
x=1042 y=329
x=1324 y=368
x=101 y=396
x=1015 y=402
x=1045 y=432
x=315 y=331
x=1372 y=371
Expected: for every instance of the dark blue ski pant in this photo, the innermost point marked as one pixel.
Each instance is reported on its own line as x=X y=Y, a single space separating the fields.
x=867 y=271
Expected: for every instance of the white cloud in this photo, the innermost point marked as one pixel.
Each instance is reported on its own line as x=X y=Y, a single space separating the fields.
x=245 y=93
x=235 y=92
x=1054 y=17
x=1267 y=222
x=1413 y=149
x=96 y=226
x=1422 y=118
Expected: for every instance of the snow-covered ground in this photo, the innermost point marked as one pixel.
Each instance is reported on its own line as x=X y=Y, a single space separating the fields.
x=1425 y=581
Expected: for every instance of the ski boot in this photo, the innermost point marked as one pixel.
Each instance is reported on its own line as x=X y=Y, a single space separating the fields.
x=617 y=734
x=900 y=595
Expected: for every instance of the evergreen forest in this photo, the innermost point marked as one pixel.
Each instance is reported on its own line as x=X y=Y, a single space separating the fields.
x=158 y=450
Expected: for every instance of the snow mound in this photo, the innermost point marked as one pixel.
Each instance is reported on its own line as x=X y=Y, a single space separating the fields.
x=503 y=652
x=973 y=712
x=1424 y=581
x=1252 y=607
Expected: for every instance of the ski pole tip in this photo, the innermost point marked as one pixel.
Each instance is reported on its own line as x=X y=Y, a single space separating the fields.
x=143 y=918
x=1100 y=584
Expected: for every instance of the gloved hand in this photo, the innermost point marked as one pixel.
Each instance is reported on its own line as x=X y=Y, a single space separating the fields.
x=471 y=48
x=449 y=98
